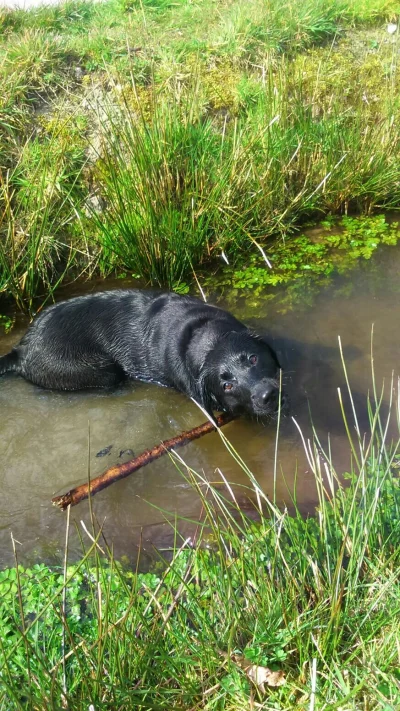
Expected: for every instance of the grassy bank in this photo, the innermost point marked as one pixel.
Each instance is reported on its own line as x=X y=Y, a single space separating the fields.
x=286 y=613
x=149 y=136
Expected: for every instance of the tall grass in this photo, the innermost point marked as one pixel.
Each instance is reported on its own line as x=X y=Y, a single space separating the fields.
x=37 y=207
x=211 y=137
x=250 y=28
x=163 y=185
x=316 y=598
x=180 y=185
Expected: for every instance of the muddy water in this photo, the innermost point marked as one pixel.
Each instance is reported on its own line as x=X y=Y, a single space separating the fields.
x=49 y=441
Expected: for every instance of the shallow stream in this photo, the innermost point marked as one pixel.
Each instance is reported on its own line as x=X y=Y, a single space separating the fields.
x=49 y=440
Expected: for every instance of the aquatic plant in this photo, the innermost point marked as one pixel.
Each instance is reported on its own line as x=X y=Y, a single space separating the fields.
x=304 y=263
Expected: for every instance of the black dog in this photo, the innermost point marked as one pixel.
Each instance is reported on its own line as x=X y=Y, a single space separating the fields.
x=177 y=341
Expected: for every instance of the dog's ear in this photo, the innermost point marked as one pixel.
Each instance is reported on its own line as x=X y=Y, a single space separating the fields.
x=204 y=393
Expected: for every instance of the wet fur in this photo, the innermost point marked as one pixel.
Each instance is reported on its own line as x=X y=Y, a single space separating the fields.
x=177 y=341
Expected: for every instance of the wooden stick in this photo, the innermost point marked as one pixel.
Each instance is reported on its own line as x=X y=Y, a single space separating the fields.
x=120 y=471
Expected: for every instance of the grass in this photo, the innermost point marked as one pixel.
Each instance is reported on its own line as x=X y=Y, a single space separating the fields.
x=314 y=599
x=179 y=190
x=163 y=187
x=177 y=130
x=35 y=222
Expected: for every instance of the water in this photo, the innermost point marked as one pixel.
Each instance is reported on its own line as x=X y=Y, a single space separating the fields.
x=49 y=441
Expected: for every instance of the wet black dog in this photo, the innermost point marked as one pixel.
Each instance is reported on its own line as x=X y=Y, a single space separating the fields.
x=177 y=341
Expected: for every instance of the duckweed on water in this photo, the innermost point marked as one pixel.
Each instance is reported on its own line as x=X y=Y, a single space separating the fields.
x=305 y=263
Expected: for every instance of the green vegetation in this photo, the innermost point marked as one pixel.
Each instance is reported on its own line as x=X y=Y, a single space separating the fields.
x=37 y=208
x=148 y=135
x=316 y=600
x=302 y=265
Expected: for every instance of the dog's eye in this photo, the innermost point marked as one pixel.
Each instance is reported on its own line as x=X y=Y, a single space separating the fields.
x=253 y=359
x=226 y=375
x=227 y=386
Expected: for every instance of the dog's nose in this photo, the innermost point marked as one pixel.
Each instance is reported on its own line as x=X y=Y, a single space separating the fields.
x=269 y=393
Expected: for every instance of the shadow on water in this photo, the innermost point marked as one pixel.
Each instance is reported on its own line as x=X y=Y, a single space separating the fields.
x=49 y=441
x=314 y=381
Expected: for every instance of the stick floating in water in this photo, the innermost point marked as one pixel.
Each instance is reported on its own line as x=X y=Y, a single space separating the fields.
x=120 y=471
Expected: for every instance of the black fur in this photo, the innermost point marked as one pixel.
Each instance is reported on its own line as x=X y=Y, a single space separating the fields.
x=177 y=341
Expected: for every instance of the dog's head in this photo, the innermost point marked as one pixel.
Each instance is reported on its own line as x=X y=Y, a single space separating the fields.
x=241 y=376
